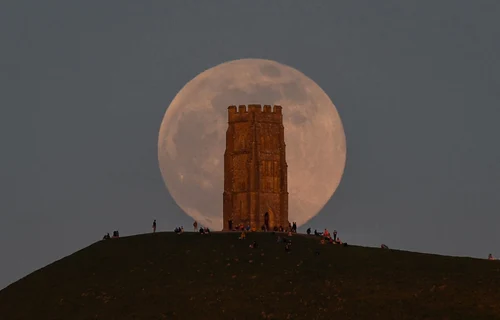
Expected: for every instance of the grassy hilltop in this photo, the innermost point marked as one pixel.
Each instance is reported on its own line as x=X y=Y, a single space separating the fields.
x=190 y=276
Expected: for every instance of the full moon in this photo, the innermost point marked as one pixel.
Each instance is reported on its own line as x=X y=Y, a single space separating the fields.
x=192 y=136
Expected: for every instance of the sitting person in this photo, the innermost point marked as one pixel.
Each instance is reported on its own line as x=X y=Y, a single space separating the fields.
x=106 y=236
x=490 y=257
x=383 y=246
x=179 y=230
x=308 y=231
x=242 y=236
x=116 y=234
x=207 y=231
x=288 y=247
x=326 y=234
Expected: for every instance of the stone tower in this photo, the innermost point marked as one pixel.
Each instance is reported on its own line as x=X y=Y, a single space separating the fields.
x=255 y=169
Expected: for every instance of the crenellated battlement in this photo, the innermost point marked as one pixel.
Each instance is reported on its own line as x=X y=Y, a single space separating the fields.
x=254 y=108
x=244 y=113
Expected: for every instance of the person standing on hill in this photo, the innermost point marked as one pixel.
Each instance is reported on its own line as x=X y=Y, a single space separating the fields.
x=195 y=225
x=154 y=226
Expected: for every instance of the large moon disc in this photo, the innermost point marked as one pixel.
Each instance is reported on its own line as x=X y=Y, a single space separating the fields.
x=192 y=137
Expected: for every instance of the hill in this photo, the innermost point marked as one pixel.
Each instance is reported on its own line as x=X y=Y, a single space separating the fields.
x=191 y=276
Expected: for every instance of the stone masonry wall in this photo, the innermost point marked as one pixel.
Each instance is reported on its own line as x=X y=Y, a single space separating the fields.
x=255 y=169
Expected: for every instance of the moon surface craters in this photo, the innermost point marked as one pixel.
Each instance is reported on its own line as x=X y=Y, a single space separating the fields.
x=192 y=137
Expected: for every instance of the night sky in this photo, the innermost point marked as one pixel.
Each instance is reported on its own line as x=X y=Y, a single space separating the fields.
x=85 y=86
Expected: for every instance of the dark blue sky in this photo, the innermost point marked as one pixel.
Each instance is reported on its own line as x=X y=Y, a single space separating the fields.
x=85 y=86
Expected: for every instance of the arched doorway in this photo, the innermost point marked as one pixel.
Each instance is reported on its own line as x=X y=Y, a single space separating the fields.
x=266 y=220
x=269 y=222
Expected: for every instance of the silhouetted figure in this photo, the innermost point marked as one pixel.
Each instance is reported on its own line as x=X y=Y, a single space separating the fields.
x=154 y=226
x=326 y=234
x=294 y=227
x=334 y=235
x=288 y=246
x=383 y=246
x=195 y=225
x=266 y=220
x=308 y=231
x=230 y=224
x=490 y=257
x=106 y=236
x=116 y=234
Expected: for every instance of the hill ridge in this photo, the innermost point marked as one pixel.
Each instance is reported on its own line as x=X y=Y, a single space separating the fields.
x=170 y=276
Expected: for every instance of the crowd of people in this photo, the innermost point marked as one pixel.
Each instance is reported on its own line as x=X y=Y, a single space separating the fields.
x=116 y=234
x=292 y=227
x=279 y=239
x=325 y=236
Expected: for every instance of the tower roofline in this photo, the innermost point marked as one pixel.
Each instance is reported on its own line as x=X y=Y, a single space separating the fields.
x=254 y=108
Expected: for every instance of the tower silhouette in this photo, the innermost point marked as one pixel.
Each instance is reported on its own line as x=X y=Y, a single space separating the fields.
x=255 y=168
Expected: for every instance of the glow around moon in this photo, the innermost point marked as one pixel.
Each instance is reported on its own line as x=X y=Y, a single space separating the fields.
x=192 y=137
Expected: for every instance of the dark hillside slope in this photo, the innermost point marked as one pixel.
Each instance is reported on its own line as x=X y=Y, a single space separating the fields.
x=190 y=276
